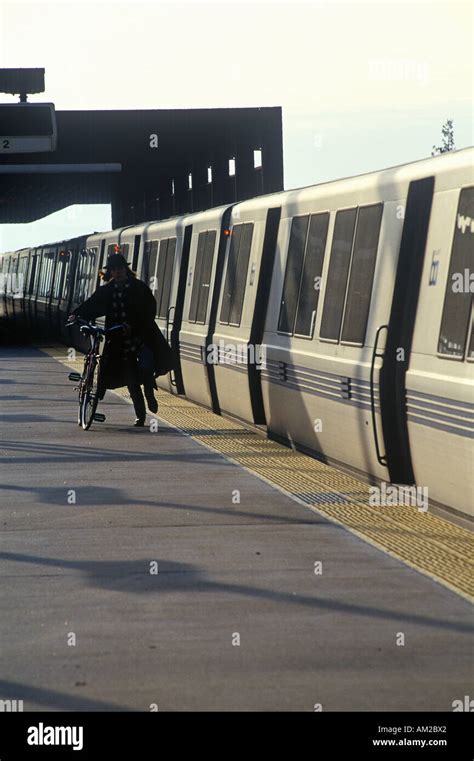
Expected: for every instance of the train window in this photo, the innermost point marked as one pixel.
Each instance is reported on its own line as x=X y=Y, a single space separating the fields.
x=46 y=276
x=51 y=268
x=31 y=285
x=202 y=276
x=59 y=277
x=150 y=257
x=470 y=352
x=101 y=260
x=136 y=252
x=90 y=270
x=361 y=277
x=167 y=275
x=311 y=275
x=10 y=265
x=457 y=298
x=236 y=276
x=230 y=274
x=241 y=274
x=337 y=274
x=23 y=266
x=42 y=274
x=67 y=278
x=81 y=277
x=164 y=274
x=85 y=272
x=152 y=266
x=294 y=267
x=197 y=277
x=3 y=269
x=7 y=279
x=79 y=266
x=11 y=282
x=160 y=273
x=206 y=276
x=146 y=262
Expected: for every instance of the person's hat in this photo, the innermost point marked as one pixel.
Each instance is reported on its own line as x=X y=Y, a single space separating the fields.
x=116 y=261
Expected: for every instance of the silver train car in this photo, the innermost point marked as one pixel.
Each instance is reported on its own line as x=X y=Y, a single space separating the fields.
x=338 y=317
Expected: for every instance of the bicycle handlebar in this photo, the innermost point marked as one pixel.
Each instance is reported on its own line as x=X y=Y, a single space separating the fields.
x=94 y=329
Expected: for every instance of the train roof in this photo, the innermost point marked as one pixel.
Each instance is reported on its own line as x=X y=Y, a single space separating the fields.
x=390 y=178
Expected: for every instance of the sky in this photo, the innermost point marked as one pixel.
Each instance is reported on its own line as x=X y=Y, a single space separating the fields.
x=362 y=85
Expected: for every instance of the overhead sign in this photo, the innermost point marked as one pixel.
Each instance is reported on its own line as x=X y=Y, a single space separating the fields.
x=21 y=81
x=27 y=128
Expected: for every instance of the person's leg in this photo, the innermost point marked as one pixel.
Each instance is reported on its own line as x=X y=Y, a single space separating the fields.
x=146 y=371
x=135 y=391
x=150 y=397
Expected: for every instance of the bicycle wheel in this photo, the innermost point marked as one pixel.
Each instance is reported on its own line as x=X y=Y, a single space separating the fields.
x=90 y=397
x=82 y=387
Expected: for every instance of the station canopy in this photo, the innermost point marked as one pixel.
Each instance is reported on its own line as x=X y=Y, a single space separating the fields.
x=149 y=164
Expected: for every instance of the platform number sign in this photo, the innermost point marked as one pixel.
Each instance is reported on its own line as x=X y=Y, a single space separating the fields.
x=27 y=128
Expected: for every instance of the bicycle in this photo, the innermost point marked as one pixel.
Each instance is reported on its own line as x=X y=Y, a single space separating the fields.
x=88 y=387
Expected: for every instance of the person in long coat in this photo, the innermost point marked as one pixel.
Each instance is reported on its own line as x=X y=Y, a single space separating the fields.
x=136 y=355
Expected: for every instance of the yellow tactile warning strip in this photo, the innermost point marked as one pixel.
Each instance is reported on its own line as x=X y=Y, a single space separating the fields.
x=426 y=542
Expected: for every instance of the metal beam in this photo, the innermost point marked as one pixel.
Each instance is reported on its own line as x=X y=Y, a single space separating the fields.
x=59 y=168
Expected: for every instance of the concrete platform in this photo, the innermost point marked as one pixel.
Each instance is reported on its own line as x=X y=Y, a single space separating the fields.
x=236 y=617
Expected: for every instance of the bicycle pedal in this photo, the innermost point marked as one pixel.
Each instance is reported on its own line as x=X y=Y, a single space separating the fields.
x=99 y=418
x=74 y=377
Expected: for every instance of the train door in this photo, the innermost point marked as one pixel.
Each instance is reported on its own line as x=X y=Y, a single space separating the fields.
x=10 y=286
x=238 y=358
x=21 y=290
x=399 y=333
x=260 y=313
x=203 y=284
x=101 y=260
x=30 y=305
x=57 y=316
x=51 y=300
x=136 y=252
x=440 y=377
x=3 y=267
x=175 y=314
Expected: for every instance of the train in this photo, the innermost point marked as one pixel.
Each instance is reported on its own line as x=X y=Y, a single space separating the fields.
x=336 y=318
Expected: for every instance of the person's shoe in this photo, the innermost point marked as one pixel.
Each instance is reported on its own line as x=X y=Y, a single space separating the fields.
x=139 y=422
x=151 y=402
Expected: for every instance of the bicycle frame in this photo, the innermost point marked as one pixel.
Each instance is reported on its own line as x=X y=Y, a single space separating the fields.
x=88 y=381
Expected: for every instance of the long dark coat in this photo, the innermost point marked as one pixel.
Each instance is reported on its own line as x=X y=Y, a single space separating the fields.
x=141 y=311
